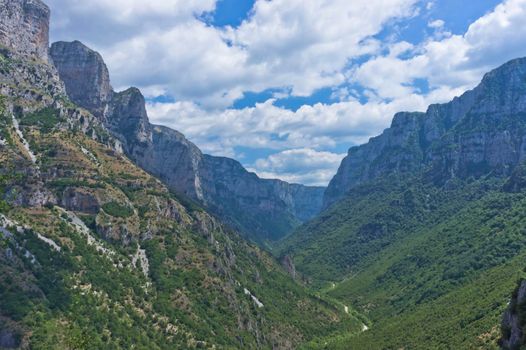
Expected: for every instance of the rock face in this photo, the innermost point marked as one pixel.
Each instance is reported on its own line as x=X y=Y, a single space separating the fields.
x=8 y=340
x=25 y=27
x=481 y=132
x=288 y=264
x=263 y=209
x=85 y=75
x=513 y=321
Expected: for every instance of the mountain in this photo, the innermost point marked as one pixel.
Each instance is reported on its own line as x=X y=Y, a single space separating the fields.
x=453 y=140
x=262 y=209
x=424 y=225
x=96 y=253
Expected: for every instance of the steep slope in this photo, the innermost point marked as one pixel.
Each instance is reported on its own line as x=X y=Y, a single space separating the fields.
x=95 y=253
x=262 y=209
x=429 y=234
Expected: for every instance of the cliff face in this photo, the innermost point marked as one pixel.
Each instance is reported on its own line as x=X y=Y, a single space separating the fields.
x=481 y=132
x=265 y=209
x=513 y=320
x=25 y=27
x=85 y=75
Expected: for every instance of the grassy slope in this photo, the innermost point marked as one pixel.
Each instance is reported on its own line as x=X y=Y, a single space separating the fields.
x=434 y=271
x=80 y=298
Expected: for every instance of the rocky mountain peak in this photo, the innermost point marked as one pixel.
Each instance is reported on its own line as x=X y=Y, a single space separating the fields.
x=503 y=90
x=126 y=116
x=24 y=27
x=85 y=75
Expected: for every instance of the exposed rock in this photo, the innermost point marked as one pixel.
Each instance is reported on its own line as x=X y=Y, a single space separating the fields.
x=481 y=132
x=49 y=242
x=256 y=301
x=288 y=264
x=513 y=321
x=263 y=209
x=24 y=27
x=140 y=261
x=39 y=197
x=517 y=181
x=85 y=75
x=80 y=201
x=9 y=339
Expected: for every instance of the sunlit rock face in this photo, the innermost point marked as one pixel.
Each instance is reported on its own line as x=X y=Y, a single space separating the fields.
x=24 y=27
x=86 y=76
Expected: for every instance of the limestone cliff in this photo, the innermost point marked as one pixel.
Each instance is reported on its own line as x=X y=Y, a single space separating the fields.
x=263 y=209
x=513 y=320
x=25 y=27
x=91 y=88
x=481 y=132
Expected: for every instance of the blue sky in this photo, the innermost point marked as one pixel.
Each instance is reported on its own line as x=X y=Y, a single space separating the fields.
x=287 y=86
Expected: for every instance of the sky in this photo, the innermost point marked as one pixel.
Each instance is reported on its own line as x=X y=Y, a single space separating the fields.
x=288 y=86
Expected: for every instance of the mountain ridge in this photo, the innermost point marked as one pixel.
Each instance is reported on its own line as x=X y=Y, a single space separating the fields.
x=258 y=207
x=415 y=139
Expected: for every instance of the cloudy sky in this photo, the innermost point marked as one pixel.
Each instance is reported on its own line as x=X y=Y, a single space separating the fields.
x=287 y=86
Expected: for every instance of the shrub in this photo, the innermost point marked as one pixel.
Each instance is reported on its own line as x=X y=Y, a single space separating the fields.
x=117 y=210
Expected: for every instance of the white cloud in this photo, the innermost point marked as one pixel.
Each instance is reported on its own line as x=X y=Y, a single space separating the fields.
x=436 y=24
x=450 y=63
x=132 y=10
x=322 y=126
x=318 y=177
x=305 y=158
x=304 y=165
x=292 y=44
x=295 y=47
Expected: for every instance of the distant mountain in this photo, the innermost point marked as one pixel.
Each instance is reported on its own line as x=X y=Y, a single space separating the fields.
x=262 y=209
x=423 y=230
x=95 y=253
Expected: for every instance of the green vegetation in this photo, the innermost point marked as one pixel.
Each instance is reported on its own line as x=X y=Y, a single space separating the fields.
x=97 y=295
x=410 y=255
x=117 y=210
x=4 y=206
x=5 y=123
x=5 y=63
x=45 y=119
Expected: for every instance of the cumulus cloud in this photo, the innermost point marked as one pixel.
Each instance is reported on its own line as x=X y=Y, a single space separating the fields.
x=321 y=126
x=454 y=62
x=304 y=165
x=293 y=47
x=292 y=44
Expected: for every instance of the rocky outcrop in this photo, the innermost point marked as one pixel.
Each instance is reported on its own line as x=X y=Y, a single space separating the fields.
x=24 y=27
x=263 y=209
x=481 y=132
x=85 y=75
x=513 y=320
x=9 y=339
x=80 y=201
x=288 y=264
